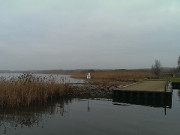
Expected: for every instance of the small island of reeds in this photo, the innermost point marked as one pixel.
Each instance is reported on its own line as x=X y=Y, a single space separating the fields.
x=26 y=90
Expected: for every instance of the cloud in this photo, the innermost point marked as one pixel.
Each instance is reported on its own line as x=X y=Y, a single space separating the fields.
x=71 y=34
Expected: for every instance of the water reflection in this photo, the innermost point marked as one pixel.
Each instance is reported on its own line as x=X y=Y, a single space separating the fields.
x=89 y=116
x=31 y=116
x=88 y=106
x=178 y=94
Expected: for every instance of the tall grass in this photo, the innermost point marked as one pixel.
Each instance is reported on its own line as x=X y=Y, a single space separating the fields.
x=27 y=89
x=120 y=75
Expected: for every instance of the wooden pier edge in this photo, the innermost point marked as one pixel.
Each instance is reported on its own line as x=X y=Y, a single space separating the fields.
x=144 y=97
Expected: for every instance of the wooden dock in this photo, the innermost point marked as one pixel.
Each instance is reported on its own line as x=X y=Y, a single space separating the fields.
x=148 y=86
x=150 y=92
x=151 y=99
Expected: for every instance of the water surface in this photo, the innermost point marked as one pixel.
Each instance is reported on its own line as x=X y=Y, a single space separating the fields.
x=92 y=117
x=58 y=78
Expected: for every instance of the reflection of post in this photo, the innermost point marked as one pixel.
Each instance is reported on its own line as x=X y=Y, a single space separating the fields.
x=88 y=108
x=179 y=94
x=165 y=110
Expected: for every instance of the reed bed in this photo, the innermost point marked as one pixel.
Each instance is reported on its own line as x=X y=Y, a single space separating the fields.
x=28 y=90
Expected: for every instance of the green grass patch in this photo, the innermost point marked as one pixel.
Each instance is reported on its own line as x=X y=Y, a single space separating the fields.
x=156 y=79
x=175 y=79
x=171 y=79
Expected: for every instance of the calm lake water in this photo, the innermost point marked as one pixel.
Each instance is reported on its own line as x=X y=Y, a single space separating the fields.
x=92 y=117
x=58 y=78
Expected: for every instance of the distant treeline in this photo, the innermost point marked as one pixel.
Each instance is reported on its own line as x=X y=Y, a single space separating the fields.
x=5 y=71
x=60 y=71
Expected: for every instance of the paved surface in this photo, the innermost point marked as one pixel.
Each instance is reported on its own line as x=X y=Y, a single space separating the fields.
x=158 y=86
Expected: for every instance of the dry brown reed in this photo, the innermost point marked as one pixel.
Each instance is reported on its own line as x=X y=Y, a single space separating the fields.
x=28 y=90
x=120 y=75
x=115 y=77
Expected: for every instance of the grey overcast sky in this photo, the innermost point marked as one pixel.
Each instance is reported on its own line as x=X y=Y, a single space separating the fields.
x=88 y=34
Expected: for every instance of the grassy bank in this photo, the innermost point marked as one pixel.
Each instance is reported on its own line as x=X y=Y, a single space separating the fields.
x=171 y=79
x=175 y=79
x=27 y=90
